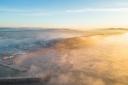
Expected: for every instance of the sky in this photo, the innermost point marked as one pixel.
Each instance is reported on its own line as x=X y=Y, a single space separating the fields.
x=85 y=14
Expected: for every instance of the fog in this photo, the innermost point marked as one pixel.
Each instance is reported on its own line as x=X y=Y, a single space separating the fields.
x=14 y=40
x=85 y=60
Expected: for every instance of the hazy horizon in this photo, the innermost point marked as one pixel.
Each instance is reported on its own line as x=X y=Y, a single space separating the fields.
x=76 y=14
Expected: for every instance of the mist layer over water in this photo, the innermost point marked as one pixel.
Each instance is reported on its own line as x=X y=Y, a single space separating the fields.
x=20 y=40
x=92 y=60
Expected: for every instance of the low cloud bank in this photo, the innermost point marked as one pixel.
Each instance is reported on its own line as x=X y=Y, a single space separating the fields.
x=93 y=60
